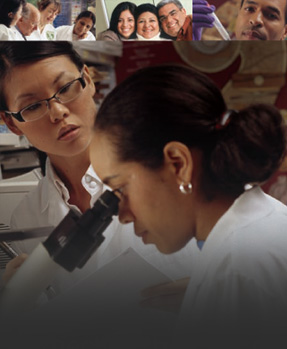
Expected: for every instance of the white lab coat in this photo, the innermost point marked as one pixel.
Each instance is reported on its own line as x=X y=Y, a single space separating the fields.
x=7 y=34
x=65 y=32
x=47 y=206
x=48 y=33
x=238 y=284
x=17 y=34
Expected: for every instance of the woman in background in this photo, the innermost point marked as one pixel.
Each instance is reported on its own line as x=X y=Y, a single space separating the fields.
x=180 y=163
x=122 y=24
x=80 y=30
x=147 y=23
x=49 y=10
x=10 y=13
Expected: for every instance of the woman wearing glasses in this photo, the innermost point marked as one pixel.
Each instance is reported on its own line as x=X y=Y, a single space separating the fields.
x=189 y=182
x=54 y=108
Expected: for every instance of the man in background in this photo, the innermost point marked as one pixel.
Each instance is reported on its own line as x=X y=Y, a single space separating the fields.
x=176 y=24
x=28 y=22
x=256 y=20
x=262 y=20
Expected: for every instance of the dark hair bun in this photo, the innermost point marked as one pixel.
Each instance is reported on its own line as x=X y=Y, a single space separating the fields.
x=250 y=148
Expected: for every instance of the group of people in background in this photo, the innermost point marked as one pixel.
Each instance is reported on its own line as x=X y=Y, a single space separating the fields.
x=20 y=20
x=166 y=21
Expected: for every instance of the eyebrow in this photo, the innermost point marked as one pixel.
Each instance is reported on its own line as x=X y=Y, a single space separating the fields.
x=25 y=95
x=108 y=179
x=272 y=8
x=163 y=16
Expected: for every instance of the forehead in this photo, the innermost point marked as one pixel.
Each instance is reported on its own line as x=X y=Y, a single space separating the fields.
x=147 y=15
x=52 y=7
x=103 y=155
x=167 y=9
x=35 y=74
x=126 y=13
x=47 y=66
x=280 y=4
x=85 y=19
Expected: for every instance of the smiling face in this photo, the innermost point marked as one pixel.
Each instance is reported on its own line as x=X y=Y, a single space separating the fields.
x=261 y=20
x=65 y=129
x=126 y=24
x=148 y=198
x=49 y=14
x=82 y=26
x=147 y=25
x=171 y=18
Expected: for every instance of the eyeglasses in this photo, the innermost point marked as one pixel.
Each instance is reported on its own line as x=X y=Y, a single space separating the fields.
x=37 y=110
x=171 y=14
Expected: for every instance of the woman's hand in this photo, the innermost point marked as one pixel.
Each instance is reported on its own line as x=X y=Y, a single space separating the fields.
x=13 y=266
x=167 y=297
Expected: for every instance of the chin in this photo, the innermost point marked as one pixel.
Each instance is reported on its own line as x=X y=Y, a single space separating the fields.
x=166 y=249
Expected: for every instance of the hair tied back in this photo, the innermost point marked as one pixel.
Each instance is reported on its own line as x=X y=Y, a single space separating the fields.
x=225 y=119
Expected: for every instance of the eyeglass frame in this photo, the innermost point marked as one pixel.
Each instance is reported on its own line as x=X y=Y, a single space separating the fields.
x=18 y=116
x=171 y=13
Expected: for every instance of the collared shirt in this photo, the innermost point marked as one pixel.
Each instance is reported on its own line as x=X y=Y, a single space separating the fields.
x=23 y=37
x=7 y=34
x=49 y=203
x=185 y=33
x=48 y=33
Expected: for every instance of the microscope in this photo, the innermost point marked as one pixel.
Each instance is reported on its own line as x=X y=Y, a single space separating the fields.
x=69 y=246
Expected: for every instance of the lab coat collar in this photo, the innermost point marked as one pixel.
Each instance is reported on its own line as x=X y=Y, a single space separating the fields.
x=251 y=205
x=48 y=188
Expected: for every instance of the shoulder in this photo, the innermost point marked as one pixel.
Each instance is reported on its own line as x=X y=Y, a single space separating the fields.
x=90 y=36
x=108 y=35
x=4 y=32
x=63 y=28
x=64 y=32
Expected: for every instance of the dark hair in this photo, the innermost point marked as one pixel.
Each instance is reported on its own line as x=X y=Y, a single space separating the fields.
x=13 y=54
x=184 y=105
x=123 y=6
x=42 y=4
x=162 y=3
x=242 y=1
x=7 y=6
x=145 y=8
x=86 y=14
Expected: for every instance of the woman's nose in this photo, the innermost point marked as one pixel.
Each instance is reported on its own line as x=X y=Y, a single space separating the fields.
x=125 y=215
x=57 y=111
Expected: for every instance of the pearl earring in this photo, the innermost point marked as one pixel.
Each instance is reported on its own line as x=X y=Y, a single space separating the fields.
x=185 y=188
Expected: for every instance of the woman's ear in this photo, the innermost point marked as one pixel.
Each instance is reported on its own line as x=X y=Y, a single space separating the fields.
x=179 y=159
x=89 y=80
x=10 y=124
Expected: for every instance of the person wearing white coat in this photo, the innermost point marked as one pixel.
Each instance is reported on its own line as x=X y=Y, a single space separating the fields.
x=66 y=135
x=10 y=13
x=49 y=10
x=66 y=32
x=84 y=22
x=189 y=182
